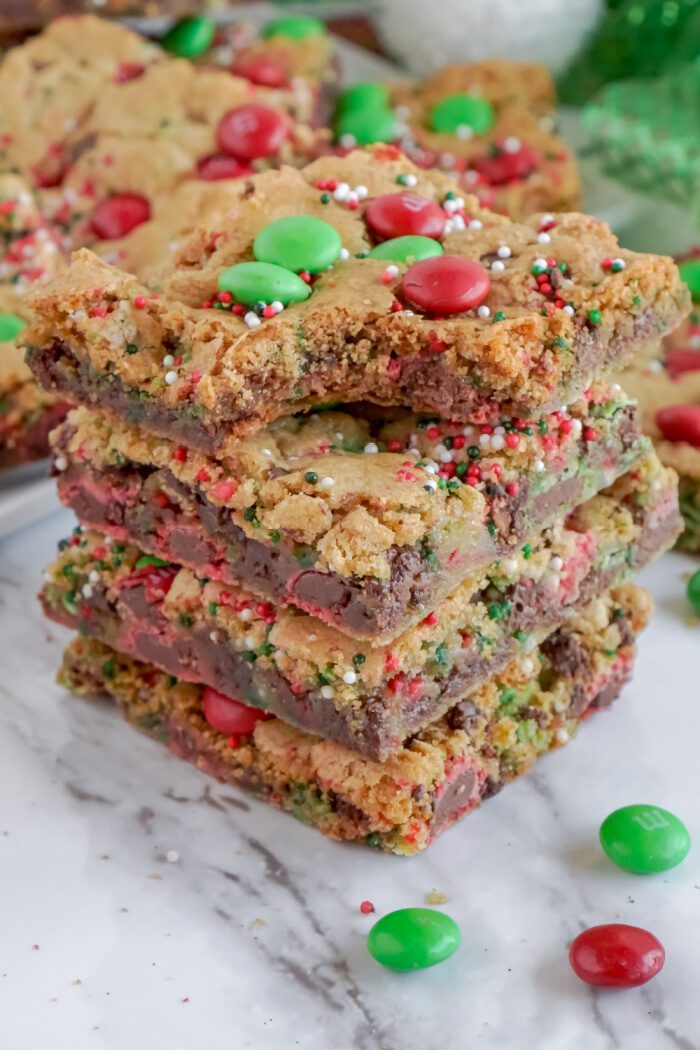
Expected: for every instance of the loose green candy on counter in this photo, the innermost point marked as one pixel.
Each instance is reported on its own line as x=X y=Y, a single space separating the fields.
x=299 y=242
x=294 y=27
x=253 y=282
x=189 y=37
x=644 y=839
x=690 y=273
x=457 y=111
x=408 y=248
x=413 y=939
x=367 y=124
x=693 y=591
x=10 y=326
x=368 y=94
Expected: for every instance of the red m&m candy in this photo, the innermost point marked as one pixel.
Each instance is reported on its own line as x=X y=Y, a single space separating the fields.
x=220 y=166
x=507 y=165
x=446 y=284
x=230 y=716
x=404 y=214
x=260 y=70
x=682 y=360
x=616 y=956
x=118 y=215
x=680 y=423
x=252 y=131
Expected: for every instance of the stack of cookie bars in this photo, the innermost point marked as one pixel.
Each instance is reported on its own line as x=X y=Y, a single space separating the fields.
x=358 y=496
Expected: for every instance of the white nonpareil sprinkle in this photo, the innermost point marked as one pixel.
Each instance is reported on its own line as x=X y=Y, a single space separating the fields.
x=568 y=310
x=616 y=389
x=556 y=563
x=543 y=238
x=446 y=457
x=483 y=311
x=172 y=856
x=170 y=378
x=464 y=132
x=450 y=206
x=561 y=736
x=431 y=485
x=528 y=666
x=326 y=483
x=576 y=427
x=499 y=430
x=430 y=468
x=348 y=141
x=619 y=263
x=349 y=677
x=341 y=191
x=509 y=566
x=497 y=266
x=87 y=591
x=503 y=252
x=371 y=447
x=476 y=224
x=246 y=615
x=511 y=144
x=252 y=319
x=408 y=180
x=497 y=442
x=327 y=692
x=277 y=306
x=485 y=440
x=546 y=219
x=361 y=192
x=60 y=463
x=540 y=264
x=392 y=270
x=94 y=576
x=266 y=452
x=538 y=466
x=343 y=254
x=168 y=360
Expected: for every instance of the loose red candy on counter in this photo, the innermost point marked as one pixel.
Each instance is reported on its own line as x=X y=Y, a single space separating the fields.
x=507 y=165
x=221 y=166
x=446 y=284
x=616 y=956
x=403 y=215
x=260 y=70
x=680 y=361
x=230 y=716
x=252 y=131
x=118 y=215
x=680 y=423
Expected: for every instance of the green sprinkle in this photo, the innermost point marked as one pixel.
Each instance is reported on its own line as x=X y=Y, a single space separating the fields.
x=498 y=316
x=358 y=659
x=132 y=348
x=69 y=603
x=275 y=535
x=491 y=527
x=473 y=451
x=266 y=649
x=250 y=514
x=595 y=317
x=527 y=551
x=325 y=198
x=636 y=301
x=311 y=476
x=543 y=426
x=441 y=656
x=498 y=610
x=520 y=635
x=213 y=608
x=461 y=470
x=109 y=668
x=148 y=559
x=325 y=677
x=249 y=656
x=560 y=343
x=184 y=619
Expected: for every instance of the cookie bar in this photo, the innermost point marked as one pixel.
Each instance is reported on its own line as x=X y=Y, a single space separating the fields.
x=364 y=522
x=667 y=386
x=536 y=703
x=490 y=329
x=309 y=674
x=31 y=252
x=489 y=124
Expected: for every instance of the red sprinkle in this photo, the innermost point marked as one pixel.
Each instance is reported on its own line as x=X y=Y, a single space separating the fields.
x=512 y=440
x=180 y=453
x=431 y=619
x=203 y=475
x=367 y=907
x=590 y=434
x=140 y=302
x=223 y=490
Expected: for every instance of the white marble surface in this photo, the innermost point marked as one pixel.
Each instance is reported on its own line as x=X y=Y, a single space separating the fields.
x=253 y=938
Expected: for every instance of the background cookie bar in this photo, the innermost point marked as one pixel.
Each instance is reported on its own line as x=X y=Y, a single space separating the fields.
x=667 y=385
x=365 y=523
x=490 y=124
x=253 y=323
x=400 y=805
x=370 y=699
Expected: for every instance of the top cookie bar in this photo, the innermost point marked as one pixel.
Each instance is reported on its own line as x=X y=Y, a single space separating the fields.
x=496 y=319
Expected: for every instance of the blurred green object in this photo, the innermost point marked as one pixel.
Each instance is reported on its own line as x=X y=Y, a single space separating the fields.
x=637 y=38
x=647 y=134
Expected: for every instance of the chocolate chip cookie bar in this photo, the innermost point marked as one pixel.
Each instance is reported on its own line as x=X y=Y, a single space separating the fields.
x=368 y=698
x=430 y=301
x=489 y=124
x=486 y=740
x=364 y=522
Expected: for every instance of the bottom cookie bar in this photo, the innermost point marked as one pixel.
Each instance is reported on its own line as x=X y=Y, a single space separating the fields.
x=442 y=773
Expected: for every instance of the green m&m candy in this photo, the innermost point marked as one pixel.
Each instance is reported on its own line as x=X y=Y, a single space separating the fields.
x=644 y=839
x=295 y=27
x=693 y=591
x=368 y=94
x=690 y=273
x=10 y=326
x=366 y=125
x=254 y=282
x=299 y=242
x=189 y=37
x=413 y=939
x=410 y=248
x=462 y=111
